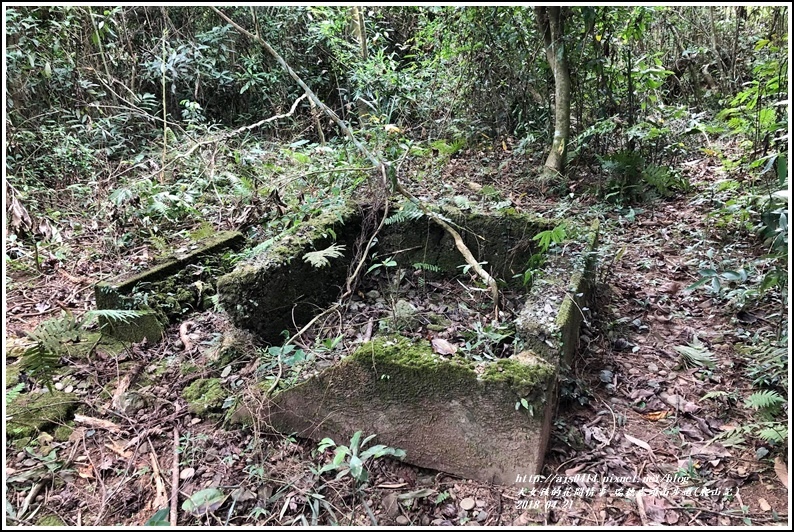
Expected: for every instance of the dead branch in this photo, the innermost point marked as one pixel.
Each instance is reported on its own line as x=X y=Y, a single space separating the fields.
x=175 y=479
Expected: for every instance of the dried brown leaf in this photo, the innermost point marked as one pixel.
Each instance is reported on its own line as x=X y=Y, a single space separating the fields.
x=782 y=471
x=442 y=347
x=20 y=219
x=638 y=442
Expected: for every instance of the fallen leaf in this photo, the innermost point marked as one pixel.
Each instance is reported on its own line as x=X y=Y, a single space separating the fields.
x=638 y=442
x=442 y=347
x=714 y=449
x=20 y=219
x=656 y=416
x=86 y=471
x=764 y=504
x=118 y=449
x=187 y=473
x=782 y=471
x=599 y=435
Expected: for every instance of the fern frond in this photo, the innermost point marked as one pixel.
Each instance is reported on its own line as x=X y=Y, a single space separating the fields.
x=426 y=267
x=14 y=392
x=319 y=259
x=408 y=211
x=714 y=394
x=39 y=363
x=111 y=315
x=696 y=353
x=41 y=357
x=764 y=399
x=775 y=433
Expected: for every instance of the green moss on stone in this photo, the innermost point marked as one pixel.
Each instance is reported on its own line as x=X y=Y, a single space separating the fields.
x=204 y=395
x=416 y=370
x=33 y=413
x=12 y=372
x=412 y=368
x=50 y=520
x=63 y=432
x=522 y=377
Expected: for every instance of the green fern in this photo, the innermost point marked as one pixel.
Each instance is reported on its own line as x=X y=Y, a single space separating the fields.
x=774 y=433
x=768 y=400
x=552 y=236
x=768 y=365
x=696 y=353
x=714 y=395
x=110 y=315
x=319 y=259
x=14 y=392
x=41 y=358
x=426 y=267
x=408 y=211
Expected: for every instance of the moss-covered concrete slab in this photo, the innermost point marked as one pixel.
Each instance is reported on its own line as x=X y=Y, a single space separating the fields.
x=165 y=301
x=204 y=395
x=30 y=413
x=442 y=412
x=552 y=315
x=278 y=290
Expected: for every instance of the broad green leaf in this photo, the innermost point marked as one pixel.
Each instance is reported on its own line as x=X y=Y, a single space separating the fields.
x=356 y=467
x=204 y=502
x=160 y=518
x=731 y=276
x=700 y=282
x=354 y=441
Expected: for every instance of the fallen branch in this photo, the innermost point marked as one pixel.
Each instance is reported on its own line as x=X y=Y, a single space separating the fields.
x=183 y=335
x=175 y=479
x=376 y=161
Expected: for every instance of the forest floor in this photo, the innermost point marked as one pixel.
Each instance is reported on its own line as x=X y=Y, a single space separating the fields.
x=634 y=412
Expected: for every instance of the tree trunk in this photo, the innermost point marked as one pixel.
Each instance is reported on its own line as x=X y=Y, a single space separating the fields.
x=550 y=23
x=360 y=34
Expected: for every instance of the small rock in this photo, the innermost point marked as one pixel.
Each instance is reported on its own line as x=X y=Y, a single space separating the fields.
x=390 y=505
x=481 y=516
x=69 y=389
x=480 y=503
x=621 y=344
x=653 y=368
x=467 y=503
x=402 y=520
x=605 y=376
x=187 y=473
x=59 y=386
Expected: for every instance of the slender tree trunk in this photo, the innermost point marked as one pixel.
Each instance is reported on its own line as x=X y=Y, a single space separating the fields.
x=360 y=34
x=550 y=23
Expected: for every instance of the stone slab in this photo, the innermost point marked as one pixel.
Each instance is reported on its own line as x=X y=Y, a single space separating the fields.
x=114 y=294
